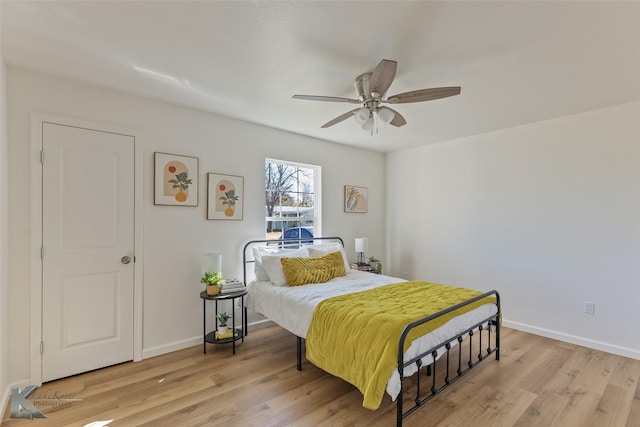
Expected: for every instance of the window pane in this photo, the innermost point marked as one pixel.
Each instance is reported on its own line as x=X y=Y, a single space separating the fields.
x=290 y=199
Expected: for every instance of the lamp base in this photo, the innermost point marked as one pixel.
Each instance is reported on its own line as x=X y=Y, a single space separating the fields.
x=361 y=260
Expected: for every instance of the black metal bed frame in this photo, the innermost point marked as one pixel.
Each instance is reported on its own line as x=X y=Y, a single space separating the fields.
x=484 y=326
x=281 y=244
x=489 y=326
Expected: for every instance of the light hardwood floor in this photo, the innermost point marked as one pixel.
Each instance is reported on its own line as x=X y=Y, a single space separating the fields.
x=537 y=382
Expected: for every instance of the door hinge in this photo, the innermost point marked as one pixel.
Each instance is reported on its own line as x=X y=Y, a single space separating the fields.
x=41 y=347
x=42 y=252
x=42 y=156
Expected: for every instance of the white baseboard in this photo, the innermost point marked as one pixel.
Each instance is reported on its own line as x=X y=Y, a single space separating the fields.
x=170 y=347
x=5 y=399
x=190 y=342
x=260 y=324
x=573 y=339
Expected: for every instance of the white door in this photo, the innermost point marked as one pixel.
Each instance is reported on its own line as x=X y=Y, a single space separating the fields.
x=87 y=233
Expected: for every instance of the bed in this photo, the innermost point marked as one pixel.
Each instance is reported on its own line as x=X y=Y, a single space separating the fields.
x=388 y=329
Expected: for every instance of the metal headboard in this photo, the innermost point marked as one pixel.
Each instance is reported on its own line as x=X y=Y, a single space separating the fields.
x=284 y=243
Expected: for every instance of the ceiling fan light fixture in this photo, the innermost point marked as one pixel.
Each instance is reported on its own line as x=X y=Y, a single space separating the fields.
x=385 y=115
x=368 y=124
x=371 y=88
x=362 y=115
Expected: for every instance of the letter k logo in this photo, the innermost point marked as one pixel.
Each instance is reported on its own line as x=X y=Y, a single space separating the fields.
x=21 y=407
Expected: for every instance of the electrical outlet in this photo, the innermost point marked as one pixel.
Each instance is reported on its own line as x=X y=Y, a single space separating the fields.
x=590 y=307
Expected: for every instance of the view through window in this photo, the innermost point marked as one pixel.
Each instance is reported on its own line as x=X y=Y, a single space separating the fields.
x=292 y=207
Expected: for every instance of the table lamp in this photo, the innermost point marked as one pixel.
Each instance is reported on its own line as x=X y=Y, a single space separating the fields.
x=362 y=245
x=211 y=263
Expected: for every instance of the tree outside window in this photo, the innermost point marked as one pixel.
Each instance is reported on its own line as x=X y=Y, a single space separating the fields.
x=291 y=199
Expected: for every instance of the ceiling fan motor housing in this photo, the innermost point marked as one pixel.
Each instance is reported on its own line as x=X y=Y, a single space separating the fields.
x=362 y=87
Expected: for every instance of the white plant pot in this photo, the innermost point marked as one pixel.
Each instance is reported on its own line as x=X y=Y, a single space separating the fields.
x=223 y=329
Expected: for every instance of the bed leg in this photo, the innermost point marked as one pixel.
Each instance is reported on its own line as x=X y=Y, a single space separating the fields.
x=498 y=339
x=399 y=408
x=497 y=323
x=299 y=353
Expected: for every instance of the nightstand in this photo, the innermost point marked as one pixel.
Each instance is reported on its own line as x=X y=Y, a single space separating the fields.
x=364 y=267
x=236 y=334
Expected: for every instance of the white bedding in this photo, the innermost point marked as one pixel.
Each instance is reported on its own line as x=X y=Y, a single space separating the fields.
x=292 y=308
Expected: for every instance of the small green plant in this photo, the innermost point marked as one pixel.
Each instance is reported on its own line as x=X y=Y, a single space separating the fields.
x=230 y=200
x=378 y=264
x=223 y=318
x=182 y=181
x=212 y=279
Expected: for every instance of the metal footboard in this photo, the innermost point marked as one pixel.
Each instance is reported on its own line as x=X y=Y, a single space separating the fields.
x=465 y=361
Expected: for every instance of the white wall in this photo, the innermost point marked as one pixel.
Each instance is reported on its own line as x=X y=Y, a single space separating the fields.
x=548 y=214
x=175 y=237
x=4 y=241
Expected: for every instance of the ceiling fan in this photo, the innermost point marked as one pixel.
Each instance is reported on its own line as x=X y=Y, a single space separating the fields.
x=371 y=88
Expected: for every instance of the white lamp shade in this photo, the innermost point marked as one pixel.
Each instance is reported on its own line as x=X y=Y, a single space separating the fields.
x=212 y=263
x=361 y=115
x=386 y=115
x=368 y=125
x=362 y=244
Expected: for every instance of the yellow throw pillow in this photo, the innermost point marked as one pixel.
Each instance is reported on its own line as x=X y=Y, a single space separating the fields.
x=300 y=271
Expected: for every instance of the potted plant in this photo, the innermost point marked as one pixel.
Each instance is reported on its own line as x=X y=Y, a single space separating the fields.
x=376 y=264
x=182 y=182
x=222 y=319
x=214 y=282
x=230 y=200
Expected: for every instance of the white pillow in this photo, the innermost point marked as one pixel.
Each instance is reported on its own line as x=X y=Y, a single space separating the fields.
x=327 y=248
x=259 y=268
x=274 y=270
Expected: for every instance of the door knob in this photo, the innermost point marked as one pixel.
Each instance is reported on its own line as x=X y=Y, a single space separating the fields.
x=125 y=259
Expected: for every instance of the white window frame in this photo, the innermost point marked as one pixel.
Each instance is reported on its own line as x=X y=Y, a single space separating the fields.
x=317 y=194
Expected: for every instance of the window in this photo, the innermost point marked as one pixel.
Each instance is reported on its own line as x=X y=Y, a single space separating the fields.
x=292 y=206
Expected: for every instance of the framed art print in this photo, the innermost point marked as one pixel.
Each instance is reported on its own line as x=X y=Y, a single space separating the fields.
x=175 y=180
x=356 y=199
x=225 y=195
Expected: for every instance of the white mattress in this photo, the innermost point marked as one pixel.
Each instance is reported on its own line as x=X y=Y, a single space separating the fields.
x=292 y=308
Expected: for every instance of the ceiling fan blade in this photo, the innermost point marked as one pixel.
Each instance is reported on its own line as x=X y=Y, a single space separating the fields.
x=424 y=95
x=326 y=98
x=397 y=120
x=382 y=76
x=338 y=119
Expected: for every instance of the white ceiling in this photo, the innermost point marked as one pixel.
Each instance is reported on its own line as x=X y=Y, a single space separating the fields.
x=517 y=62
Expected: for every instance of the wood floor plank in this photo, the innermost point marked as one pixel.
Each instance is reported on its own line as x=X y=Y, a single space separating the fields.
x=544 y=411
x=583 y=379
x=538 y=382
x=545 y=367
x=633 y=419
x=615 y=403
x=613 y=407
x=491 y=407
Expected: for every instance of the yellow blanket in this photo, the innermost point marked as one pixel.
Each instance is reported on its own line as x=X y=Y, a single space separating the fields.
x=355 y=336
